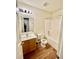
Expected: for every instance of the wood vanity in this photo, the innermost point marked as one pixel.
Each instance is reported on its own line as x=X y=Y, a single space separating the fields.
x=28 y=45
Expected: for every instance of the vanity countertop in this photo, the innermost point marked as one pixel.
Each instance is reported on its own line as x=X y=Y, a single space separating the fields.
x=28 y=36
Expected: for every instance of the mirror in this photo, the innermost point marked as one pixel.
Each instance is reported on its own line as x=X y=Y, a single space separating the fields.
x=27 y=24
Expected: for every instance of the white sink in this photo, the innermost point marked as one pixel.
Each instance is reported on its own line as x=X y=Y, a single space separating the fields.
x=28 y=36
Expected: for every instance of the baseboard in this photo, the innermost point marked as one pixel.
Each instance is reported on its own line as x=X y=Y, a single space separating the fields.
x=53 y=43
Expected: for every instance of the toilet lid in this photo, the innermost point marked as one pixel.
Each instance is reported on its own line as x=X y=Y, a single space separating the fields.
x=43 y=41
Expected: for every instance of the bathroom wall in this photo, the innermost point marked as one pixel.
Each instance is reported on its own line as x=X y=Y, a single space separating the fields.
x=53 y=28
x=38 y=16
x=19 y=54
x=56 y=24
x=57 y=29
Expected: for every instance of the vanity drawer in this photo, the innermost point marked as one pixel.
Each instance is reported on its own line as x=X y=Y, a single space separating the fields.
x=28 y=45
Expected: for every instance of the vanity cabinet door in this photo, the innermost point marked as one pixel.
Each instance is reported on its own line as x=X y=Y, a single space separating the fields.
x=25 y=46
x=32 y=44
x=29 y=45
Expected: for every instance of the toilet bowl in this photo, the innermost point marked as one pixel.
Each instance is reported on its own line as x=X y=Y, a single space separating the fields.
x=43 y=42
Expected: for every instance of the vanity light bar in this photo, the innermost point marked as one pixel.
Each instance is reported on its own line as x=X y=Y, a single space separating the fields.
x=23 y=10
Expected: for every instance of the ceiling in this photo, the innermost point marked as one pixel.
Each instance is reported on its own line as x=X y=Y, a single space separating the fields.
x=47 y=5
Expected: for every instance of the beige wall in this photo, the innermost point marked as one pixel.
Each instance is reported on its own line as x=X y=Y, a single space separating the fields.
x=38 y=16
x=57 y=30
x=19 y=54
x=56 y=24
x=54 y=27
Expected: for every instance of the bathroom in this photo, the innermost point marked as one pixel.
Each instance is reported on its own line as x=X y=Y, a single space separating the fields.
x=39 y=23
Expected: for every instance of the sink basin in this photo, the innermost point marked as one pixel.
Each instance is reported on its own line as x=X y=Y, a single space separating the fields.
x=27 y=36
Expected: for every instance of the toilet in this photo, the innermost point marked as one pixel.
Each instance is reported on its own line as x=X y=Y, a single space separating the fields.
x=43 y=42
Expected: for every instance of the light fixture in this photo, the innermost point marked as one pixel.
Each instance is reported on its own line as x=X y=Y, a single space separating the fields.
x=45 y=4
x=23 y=10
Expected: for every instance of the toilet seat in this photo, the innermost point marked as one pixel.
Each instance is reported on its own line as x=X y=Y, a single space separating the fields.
x=43 y=42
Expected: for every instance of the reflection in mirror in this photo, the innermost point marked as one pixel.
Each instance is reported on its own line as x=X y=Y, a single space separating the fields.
x=26 y=25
